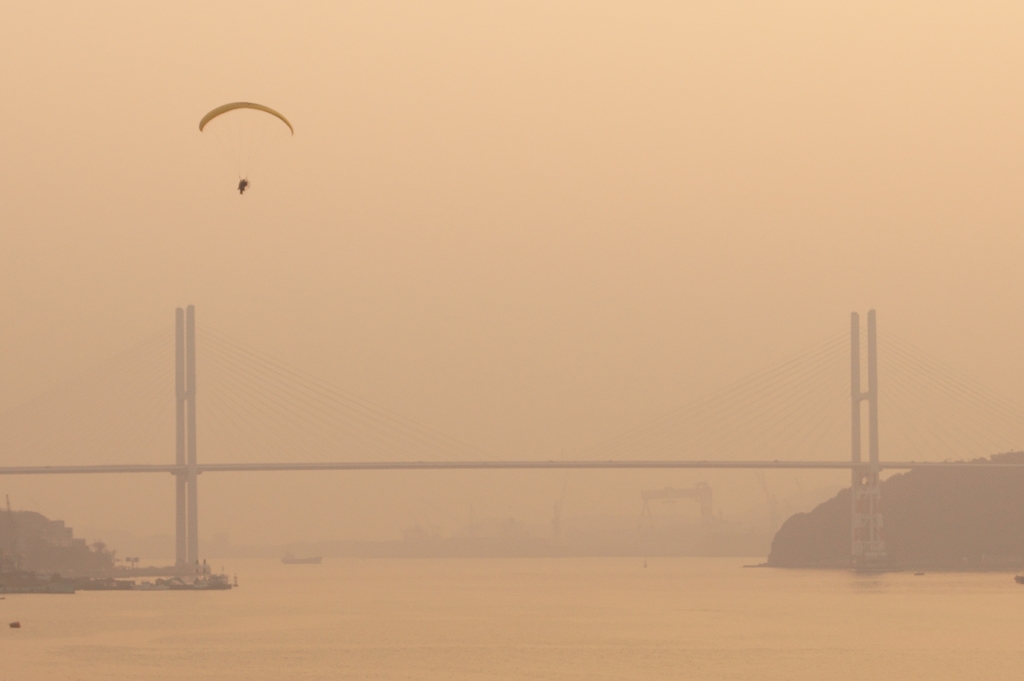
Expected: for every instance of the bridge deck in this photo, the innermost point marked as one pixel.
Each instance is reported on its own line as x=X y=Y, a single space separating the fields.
x=488 y=465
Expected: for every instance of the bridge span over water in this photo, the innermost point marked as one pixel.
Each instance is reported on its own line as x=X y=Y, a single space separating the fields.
x=310 y=411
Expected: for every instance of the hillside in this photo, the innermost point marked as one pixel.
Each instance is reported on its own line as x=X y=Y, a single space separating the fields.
x=939 y=518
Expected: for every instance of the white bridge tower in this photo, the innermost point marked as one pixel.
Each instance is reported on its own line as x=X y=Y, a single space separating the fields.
x=868 y=532
x=186 y=526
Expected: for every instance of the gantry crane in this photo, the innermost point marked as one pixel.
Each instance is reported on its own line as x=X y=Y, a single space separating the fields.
x=700 y=491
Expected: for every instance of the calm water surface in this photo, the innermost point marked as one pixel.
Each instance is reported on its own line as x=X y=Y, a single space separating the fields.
x=528 y=619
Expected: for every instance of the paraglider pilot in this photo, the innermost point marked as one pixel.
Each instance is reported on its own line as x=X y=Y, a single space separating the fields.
x=242 y=184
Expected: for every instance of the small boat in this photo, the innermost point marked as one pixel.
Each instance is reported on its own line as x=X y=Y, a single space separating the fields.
x=199 y=585
x=15 y=625
x=159 y=585
x=289 y=559
x=919 y=574
x=1019 y=579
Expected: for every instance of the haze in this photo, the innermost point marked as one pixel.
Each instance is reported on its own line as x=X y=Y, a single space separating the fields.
x=531 y=226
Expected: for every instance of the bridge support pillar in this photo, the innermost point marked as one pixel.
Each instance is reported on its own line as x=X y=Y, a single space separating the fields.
x=868 y=533
x=190 y=443
x=180 y=550
x=186 y=499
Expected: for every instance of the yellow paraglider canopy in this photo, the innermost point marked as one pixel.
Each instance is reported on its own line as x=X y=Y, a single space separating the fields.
x=224 y=108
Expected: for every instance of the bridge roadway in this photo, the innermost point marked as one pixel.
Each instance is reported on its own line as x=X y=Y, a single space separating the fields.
x=489 y=465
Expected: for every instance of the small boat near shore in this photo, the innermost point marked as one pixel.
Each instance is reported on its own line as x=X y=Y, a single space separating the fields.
x=1019 y=579
x=212 y=583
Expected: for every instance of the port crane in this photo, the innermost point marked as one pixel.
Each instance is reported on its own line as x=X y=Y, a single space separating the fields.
x=556 y=517
x=771 y=501
x=700 y=491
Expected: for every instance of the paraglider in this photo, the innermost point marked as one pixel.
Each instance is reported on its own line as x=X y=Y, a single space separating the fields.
x=245 y=130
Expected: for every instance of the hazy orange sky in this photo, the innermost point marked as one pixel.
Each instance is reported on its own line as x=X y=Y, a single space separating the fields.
x=529 y=225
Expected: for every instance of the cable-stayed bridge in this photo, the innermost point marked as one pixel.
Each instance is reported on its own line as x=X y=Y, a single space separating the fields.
x=258 y=414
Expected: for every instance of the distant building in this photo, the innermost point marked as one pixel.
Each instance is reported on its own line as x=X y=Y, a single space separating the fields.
x=31 y=541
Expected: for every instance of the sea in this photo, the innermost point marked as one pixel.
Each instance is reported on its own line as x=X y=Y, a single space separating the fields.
x=533 y=618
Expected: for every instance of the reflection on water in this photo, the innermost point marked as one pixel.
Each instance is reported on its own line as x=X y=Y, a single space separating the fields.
x=531 y=618
x=869 y=582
